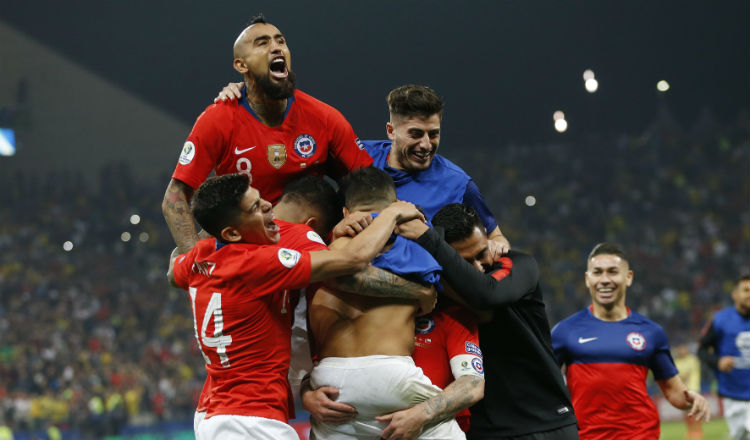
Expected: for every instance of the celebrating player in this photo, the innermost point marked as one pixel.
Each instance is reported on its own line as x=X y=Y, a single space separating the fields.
x=725 y=347
x=607 y=350
x=239 y=285
x=274 y=132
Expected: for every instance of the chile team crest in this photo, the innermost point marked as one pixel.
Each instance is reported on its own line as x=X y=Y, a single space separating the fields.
x=636 y=341
x=276 y=155
x=424 y=325
x=304 y=145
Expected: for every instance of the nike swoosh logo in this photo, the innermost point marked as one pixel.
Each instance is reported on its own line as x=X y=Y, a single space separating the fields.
x=585 y=340
x=238 y=151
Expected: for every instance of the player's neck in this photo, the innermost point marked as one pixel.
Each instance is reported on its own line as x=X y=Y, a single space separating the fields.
x=615 y=313
x=269 y=111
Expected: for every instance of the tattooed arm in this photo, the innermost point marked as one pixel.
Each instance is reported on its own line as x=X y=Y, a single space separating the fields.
x=176 y=210
x=460 y=394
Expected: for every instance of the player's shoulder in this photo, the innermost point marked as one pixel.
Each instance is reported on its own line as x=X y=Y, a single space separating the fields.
x=448 y=167
x=220 y=110
x=572 y=320
x=645 y=322
x=310 y=102
x=291 y=231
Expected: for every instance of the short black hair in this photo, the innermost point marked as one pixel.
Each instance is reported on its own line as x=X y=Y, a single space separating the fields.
x=608 y=249
x=317 y=192
x=216 y=203
x=414 y=100
x=260 y=18
x=458 y=221
x=367 y=185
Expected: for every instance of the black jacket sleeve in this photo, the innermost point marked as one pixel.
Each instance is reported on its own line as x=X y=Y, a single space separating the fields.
x=707 y=347
x=479 y=289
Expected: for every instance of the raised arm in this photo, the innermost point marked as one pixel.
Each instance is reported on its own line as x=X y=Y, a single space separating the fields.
x=479 y=289
x=176 y=210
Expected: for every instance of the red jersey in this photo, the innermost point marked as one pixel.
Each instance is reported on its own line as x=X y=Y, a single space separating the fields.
x=240 y=301
x=447 y=347
x=295 y=236
x=228 y=137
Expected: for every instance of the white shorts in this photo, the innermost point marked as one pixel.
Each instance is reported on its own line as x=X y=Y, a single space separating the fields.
x=376 y=385
x=231 y=427
x=197 y=419
x=737 y=415
x=300 y=361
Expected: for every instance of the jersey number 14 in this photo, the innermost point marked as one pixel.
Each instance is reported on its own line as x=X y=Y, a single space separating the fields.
x=218 y=340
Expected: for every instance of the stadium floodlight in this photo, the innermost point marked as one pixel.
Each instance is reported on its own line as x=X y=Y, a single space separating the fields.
x=125 y=236
x=558 y=115
x=588 y=74
x=662 y=86
x=68 y=246
x=7 y=142
x=561 y=125
x=530 y=201
x=591 y=85
x=143 y=237
x=135 y=219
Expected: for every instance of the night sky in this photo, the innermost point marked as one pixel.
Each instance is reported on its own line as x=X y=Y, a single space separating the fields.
x=503 y=67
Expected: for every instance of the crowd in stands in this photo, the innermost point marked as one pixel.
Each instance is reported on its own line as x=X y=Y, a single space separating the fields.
x=92 y=338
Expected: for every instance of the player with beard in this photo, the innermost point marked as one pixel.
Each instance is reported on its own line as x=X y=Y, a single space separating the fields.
x=273 y=132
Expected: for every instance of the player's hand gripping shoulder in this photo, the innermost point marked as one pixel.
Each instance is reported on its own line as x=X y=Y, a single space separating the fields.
x=232 y=91
x=403 y=212
x=498 y=245
x=351 y=225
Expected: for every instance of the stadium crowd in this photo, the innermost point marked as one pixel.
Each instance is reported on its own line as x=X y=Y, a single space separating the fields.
x=93 y=338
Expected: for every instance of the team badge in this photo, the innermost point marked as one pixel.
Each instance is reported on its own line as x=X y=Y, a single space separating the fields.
x=476 y=363
x=188 y=153
x=288 y=257
x=472 y=348
x=636 y=341
x=424 y=325
x=313 y=236
x=276 y=154
x=304 y=145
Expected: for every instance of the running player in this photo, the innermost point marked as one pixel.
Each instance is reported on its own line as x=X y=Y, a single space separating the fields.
x=274 y=132
x=608 y=349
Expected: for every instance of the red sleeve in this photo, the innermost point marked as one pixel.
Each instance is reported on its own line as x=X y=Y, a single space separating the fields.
x=462 y=333
x=300 y=237
x=183 y=264
x=205 y=145
x=345 y=149
x=282 y=268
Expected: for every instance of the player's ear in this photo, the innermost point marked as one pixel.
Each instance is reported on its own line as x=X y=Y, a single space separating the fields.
x=240 y=66
x=389 y=129
x=312 y=222
x=230 y=234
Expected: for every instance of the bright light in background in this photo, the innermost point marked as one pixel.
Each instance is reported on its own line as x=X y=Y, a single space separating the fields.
x=561 y=125
x=143 y=237
x=530 y=200
x=68 y=246
x=662 y=86
x=135 y=219
x=125 y=236
x=558 y=115
x=7 y=142
x=591 y=85
x=588 y=74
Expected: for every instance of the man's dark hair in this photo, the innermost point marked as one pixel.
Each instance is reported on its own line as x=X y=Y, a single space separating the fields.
x=315 y=191
x=744 y=277
x=458 y=221
x=608 y=249
x=216 y=203
x=260 y=18
x=413 y=100
x=367 y=186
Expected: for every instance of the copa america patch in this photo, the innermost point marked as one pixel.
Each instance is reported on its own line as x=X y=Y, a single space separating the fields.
x=304 y=145
x=359 y=144
x=424 y=325
x=288 y=257
x=313 y=236
x=188 y=153
x=476 y=363
x=636 y=341
x=473 y=348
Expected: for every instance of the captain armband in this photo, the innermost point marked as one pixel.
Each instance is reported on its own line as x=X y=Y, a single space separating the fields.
x=467 y=365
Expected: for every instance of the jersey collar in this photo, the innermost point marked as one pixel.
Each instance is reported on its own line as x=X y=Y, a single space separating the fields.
x=246 y=104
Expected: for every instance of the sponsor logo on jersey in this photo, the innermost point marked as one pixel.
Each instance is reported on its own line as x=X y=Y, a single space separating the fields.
x=304 y=145
x=244 y=150
x=188 y=153
x=276 y=155
x=288 y=257
x=563 y=410
x=313 y=236
x=636 y=341
x=476 y=363
x=424 y=325
x=472 y=348
x=585 y=340
x=359 y=144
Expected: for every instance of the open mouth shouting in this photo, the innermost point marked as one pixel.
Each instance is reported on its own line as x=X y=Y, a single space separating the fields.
x=278 y=68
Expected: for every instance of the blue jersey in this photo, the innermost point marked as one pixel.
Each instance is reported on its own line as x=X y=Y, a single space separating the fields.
x=731 y=334
x=607 y=364
x=441 y=184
